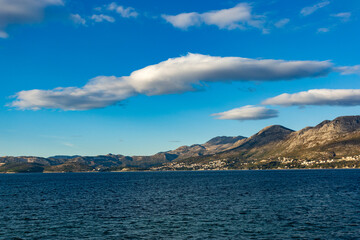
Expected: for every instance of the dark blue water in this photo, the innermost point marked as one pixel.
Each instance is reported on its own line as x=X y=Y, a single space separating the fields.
x=311 y=204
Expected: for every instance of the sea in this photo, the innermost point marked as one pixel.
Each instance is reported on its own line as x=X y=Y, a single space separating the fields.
x=275 y=204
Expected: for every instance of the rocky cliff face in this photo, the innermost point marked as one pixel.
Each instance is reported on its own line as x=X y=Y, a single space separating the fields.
x=325 y=132
x=338 y=137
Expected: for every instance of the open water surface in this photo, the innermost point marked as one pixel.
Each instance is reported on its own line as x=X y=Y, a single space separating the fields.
x=288 y=204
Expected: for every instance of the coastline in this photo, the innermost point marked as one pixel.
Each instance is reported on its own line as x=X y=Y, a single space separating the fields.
x=210 y=170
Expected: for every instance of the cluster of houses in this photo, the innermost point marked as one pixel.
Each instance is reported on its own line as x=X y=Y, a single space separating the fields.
x=223 y=164
x=351 y=158
x=212 y=165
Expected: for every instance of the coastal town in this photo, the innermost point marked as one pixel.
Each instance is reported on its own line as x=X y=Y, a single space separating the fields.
x=279 y=163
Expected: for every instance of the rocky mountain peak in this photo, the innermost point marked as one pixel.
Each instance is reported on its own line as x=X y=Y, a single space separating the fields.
x=223 y=140
x=340 y=124
x=274 y=129
x=270 y=134
x=348 y=123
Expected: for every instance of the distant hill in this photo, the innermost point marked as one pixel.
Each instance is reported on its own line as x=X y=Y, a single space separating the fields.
x=328 y=142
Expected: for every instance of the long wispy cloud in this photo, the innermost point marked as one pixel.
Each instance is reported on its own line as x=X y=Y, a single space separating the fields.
x=175 y=75
x=311 y=9
x=238 y=17
x=281 y=23
x=343 y=16
x=248 y=112
x=22 y=11
x=320 y=97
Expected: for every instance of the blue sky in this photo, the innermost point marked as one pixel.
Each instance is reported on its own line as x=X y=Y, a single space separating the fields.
x=47 y=44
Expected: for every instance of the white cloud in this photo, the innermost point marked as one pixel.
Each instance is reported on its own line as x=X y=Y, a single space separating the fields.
x=248 y=112
x=175 y=75
x=22 y=11
x=323 y=30
x=344 y=16
x=281 y=23
x=3 y=34
x=229 y=18
x=310 y=10
x=77 y=19
x=347 y=70
x=184 y=20
x=97 y=93
x=102 y=17
x=331 y=97
x=125 y=12
x=238 y=17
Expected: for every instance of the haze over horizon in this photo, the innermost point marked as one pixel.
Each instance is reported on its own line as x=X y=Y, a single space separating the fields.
x=139 y=77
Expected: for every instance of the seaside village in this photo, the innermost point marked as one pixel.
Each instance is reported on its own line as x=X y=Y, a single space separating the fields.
x=279 y=163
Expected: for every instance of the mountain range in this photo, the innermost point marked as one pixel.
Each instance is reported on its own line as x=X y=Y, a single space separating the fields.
x=334 y=140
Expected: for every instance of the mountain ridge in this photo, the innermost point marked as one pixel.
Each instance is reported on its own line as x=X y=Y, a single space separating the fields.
x=338 y=138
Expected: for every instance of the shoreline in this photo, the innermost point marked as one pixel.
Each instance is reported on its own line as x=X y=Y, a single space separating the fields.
x=148 y=171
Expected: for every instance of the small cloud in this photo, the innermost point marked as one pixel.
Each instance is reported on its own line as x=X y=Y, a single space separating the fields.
x=174 y=141
x=323 y=30
x=68 y=144
x=183 y=20
x=347 y=70
x=238 y=17
x=311 y=9
x=77 y=19
x=125 y=12
x=344 y=16
x=319 y=97
x=248 y=112
x=282 y=23
x=102 y=18
x=3 y=34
